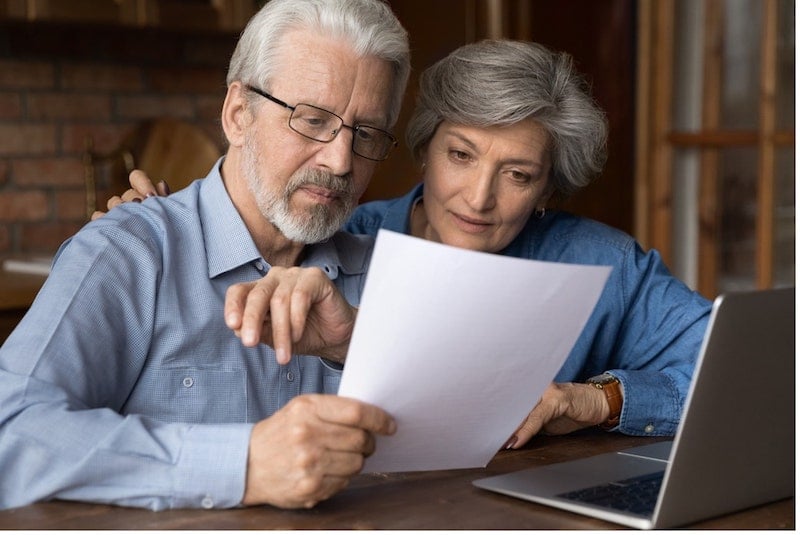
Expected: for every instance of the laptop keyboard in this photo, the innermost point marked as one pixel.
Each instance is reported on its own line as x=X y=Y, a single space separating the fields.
x=636 y=495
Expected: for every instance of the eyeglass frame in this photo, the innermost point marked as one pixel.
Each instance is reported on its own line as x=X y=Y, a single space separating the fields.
x=353 y=128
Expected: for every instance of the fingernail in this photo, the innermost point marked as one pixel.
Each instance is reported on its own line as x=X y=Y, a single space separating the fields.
x=282 y=356
x=149 y=194
x=511 y=442
x=136 y=199
x=166 y=187
x=392 y=427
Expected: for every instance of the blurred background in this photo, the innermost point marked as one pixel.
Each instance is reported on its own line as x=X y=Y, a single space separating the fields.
x=699 y=95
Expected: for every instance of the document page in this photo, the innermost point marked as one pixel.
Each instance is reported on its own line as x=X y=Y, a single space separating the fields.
x=458 y=346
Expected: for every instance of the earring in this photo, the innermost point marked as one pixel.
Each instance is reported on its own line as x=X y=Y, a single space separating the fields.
x=540 y=212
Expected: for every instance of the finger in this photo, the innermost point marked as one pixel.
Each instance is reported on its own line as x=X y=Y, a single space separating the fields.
x=163 y=188
x=308 y=290
x=530 y=427
x=113 y=201
x=354 y=413
x=343 y=464
x=141 y=183
x=132 y=195
x=345 y=439
x=256 y=310
x=280 y=312
x=323 y=489
x=97 y=214
x=235 y=299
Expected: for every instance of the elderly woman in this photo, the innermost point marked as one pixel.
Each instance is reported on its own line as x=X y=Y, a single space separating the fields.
x=500 y=128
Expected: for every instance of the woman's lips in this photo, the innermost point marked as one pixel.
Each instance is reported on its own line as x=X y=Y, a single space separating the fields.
x=470 y=224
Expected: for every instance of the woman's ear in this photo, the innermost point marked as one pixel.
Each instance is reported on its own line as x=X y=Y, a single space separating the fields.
x=422 y=157
x=236 y=114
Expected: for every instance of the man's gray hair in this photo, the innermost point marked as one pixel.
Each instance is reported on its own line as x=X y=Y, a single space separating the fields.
x=500 y=83
x=369 y=26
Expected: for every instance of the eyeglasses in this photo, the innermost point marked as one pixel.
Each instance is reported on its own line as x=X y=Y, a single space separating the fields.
x=322 y=125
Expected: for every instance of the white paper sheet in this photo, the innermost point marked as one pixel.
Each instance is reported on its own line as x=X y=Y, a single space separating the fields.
x=458 y=346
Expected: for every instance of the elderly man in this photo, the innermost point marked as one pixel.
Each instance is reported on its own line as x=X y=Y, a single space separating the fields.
x=124 y=385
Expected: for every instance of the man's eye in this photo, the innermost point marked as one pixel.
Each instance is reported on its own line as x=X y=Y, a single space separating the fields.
x=313 y=121
x=365 y=135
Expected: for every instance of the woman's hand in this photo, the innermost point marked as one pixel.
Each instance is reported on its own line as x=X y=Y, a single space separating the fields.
x=564 y=408
x=141 y=188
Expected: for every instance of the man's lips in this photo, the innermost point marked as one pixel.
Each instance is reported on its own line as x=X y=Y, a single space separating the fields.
x=322 y=194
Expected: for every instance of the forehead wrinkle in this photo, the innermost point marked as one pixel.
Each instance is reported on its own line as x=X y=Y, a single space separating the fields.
x=330 y=75
x=492 y=139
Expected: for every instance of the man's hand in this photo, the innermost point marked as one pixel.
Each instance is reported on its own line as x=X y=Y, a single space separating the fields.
x=292 y=309
x=564 y=408
x=309 y=450
x=141 y=188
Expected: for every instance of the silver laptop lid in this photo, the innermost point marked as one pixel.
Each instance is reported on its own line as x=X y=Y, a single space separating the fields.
x=739 y=429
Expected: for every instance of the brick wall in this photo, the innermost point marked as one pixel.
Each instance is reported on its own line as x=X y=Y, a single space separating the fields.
x=60 y=84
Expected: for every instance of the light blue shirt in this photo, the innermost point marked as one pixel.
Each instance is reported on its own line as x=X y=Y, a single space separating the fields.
x=122 y=383
x=646 y=329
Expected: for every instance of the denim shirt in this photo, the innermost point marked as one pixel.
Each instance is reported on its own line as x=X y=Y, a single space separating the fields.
x=123 y=385
x=646 y=329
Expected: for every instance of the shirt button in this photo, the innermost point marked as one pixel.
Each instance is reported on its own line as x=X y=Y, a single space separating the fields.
x=649 y=428
x=207 y=502
x=289 y=376
x=188 y=382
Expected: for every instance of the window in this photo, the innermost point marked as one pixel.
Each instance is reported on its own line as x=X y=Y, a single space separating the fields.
x=715 y=181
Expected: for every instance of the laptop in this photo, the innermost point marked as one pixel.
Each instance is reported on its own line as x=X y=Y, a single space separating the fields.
x=735 y=445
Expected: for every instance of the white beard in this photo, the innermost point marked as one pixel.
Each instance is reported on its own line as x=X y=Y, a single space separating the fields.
x=314 y=225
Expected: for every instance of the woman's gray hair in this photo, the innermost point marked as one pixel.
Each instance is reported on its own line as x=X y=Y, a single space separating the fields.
x=369 y=26
x=500 y=83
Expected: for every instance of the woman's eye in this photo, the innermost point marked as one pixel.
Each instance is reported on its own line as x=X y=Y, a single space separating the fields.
x=519 y=176
x=459 y=155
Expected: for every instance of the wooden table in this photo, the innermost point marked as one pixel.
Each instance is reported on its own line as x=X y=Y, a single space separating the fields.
x=421 y=500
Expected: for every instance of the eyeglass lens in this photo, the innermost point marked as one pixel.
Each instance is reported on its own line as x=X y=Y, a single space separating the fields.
x=322 y=125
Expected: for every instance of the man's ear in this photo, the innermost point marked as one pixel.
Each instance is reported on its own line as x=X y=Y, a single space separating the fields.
x=236 y=114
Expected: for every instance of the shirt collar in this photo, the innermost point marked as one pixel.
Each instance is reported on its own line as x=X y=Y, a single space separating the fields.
x=397 y=217
x=228 y=242
x=229 y=245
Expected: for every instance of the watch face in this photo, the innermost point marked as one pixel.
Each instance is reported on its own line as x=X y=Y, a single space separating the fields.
x=602 y=379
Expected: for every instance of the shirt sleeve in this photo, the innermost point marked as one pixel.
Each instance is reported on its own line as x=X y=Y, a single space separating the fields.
x=65 y=374
x=657 y=344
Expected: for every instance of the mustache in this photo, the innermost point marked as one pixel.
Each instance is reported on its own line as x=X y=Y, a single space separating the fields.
x=339 y=184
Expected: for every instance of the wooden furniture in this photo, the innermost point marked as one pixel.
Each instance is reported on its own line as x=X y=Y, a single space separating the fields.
x=164 y=148
x=209 y=15
x=420 y=500
x=17 y=292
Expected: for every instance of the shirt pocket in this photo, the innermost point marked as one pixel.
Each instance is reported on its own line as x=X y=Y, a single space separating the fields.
x=193 y=395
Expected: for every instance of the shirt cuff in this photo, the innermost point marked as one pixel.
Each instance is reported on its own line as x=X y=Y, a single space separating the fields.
x=212 y=468
x=651 y=404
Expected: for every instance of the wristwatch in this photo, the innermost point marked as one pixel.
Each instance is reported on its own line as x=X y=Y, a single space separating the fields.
x=612 y=388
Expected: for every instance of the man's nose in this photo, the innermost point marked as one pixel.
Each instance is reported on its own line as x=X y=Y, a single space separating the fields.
x=337 y=155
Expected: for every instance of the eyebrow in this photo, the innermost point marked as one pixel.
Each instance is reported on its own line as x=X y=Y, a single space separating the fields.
x=513 y=161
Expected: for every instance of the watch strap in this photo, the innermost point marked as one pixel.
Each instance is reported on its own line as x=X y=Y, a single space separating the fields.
x=612 y=389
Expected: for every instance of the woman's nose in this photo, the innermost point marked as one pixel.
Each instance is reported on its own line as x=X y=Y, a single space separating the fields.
x=480 y=191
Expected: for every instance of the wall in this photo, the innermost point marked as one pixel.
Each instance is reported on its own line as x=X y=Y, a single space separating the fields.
x=60 y=84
